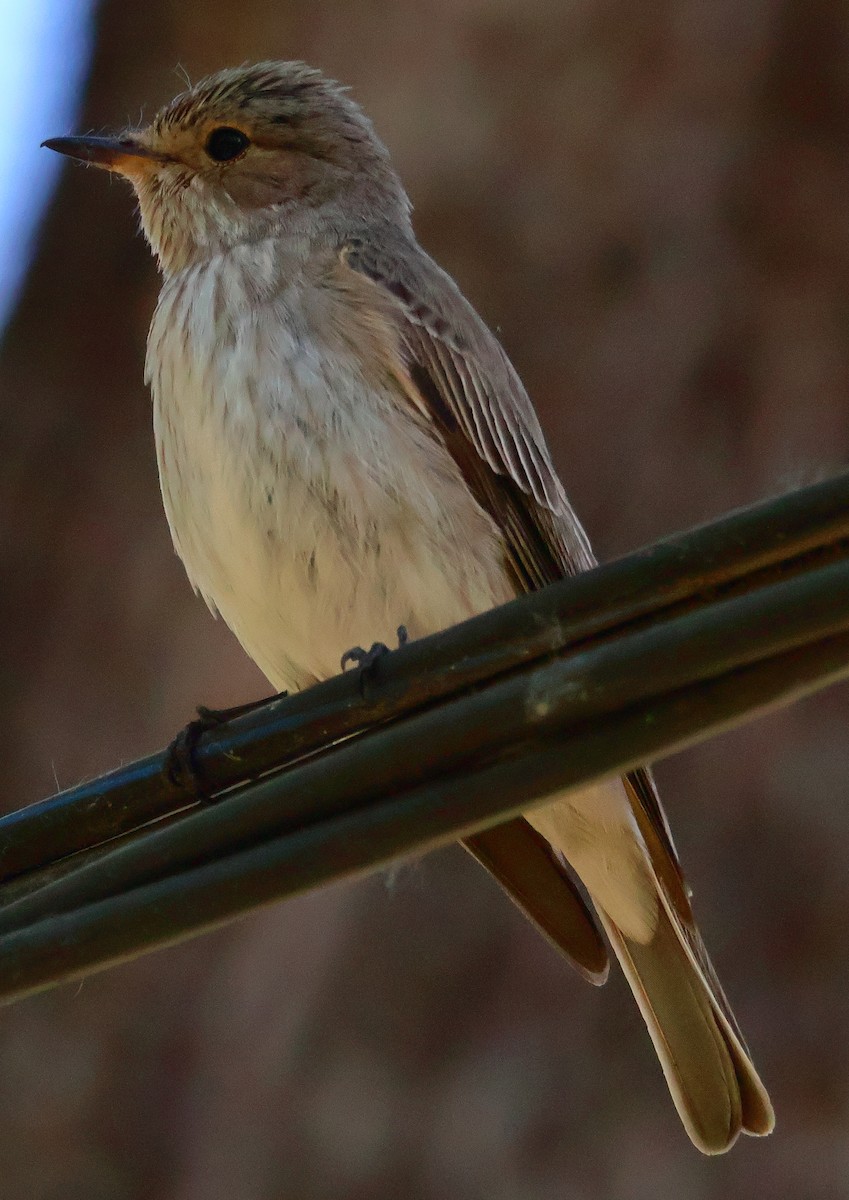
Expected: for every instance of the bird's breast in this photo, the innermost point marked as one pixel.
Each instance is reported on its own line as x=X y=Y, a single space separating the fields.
x=308 y=505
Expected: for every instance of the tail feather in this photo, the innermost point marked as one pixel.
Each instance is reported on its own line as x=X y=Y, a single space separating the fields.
x=615 y=837
x=711 y=1078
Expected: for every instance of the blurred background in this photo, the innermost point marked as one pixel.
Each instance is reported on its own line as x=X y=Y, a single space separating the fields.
x=650 y=202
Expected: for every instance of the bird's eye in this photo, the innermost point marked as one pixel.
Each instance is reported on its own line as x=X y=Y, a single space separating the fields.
x=224 y=143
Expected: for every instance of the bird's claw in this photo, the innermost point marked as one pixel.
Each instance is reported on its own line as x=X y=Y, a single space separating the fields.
x=181 y=769
x=366 y=660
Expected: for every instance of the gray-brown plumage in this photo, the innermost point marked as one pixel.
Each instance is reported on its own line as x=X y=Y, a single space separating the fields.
x=344 y=447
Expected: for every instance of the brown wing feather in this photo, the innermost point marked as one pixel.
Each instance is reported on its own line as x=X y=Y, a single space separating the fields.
x=539 y=884
x=499 y=449
x=476 y=401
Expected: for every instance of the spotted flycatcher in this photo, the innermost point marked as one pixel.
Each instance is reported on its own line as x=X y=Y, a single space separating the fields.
x=344 y=448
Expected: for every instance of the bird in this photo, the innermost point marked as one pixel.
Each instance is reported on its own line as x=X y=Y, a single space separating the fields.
x=344 y=448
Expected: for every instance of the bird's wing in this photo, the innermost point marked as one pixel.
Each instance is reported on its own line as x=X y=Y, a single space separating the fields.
x=475 y=401
x=470 y=393
x=486 y=421
x=536 y=879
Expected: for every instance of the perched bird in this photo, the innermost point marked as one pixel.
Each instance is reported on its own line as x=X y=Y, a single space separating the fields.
x=345 y=448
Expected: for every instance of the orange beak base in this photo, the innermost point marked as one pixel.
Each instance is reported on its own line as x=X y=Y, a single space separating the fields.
x=113 y=154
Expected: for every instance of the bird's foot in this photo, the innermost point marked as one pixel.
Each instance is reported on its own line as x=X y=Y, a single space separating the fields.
x=181 y=768
x=366 y=660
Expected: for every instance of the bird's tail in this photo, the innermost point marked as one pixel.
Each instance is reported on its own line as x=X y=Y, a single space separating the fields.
x=616 y=838
x=712 y=1079
x=707 y=1065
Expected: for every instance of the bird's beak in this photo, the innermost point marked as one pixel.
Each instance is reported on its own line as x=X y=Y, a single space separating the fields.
x=124 y=155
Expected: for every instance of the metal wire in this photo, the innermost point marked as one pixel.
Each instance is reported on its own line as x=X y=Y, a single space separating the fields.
x=592 y=676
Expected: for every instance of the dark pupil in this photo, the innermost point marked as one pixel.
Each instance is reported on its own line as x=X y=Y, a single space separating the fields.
x=225 y=143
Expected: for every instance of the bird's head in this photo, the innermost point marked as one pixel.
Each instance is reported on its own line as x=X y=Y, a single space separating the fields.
x=247 y=152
